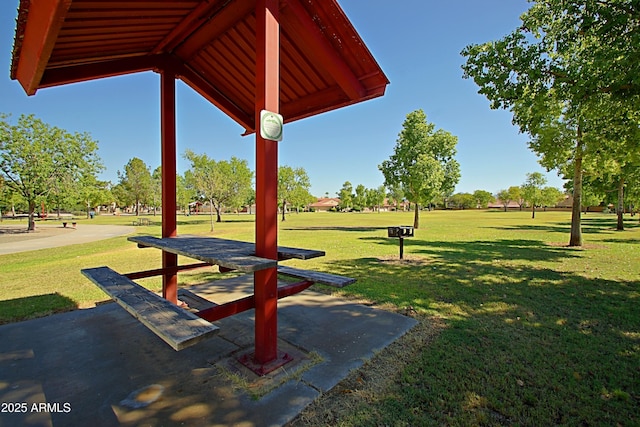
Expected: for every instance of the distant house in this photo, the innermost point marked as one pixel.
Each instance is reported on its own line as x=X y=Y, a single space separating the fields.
x=497 y=204
x=325 y=204
x=389 y=205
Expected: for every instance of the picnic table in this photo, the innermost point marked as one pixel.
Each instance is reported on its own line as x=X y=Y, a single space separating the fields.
x=141 y=221
x=181 y=328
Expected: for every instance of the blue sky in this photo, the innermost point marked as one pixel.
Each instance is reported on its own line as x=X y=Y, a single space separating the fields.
x=416 y=42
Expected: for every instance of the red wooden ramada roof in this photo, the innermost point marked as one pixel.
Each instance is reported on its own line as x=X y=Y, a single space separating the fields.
x=324 y=64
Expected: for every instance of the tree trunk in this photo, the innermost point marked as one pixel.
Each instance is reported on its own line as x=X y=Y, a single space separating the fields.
x=32 y=223
x=533 y=211
x=620 y=208
x=211 y=214
x=576 y=228
x=284 y=205
x=416 y=217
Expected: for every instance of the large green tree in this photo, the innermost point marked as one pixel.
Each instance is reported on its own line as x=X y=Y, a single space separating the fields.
x=569 y=61
x=36 y=158
x=423 y=162
x=293 y=188
x=222 y=183
x=136 y=182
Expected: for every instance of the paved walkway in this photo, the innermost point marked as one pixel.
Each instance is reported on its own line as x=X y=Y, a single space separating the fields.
x=83 y=233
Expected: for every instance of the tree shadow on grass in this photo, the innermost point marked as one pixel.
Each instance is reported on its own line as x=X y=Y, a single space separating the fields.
x=589 y=226
x=17 y=309
x=336 y=228
x=526 y=344
x=482 y=250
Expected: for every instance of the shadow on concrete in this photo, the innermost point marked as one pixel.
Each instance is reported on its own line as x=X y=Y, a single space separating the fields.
x=85 y=364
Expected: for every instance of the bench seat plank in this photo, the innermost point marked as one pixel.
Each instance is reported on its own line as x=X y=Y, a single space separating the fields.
x=316 y=276
x=177 y=327
x=285 y=252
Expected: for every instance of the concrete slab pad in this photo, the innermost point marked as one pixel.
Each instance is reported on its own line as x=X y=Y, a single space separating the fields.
x=79 y=368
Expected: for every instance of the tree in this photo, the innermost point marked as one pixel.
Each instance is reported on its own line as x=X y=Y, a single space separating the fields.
x=505 y=198
x=293 y=187
x=223 y=183
x=156 y=188
x=395 y=195
x=346 y=196
x=93 y=192
x=375 y=197
x=556 y=72
x=463 y=200
x=36 y=158
x=532 y=190
x=482 y=198
x=136 y=182
x=551 y=196
x=515 y=195
x=360 y=198
x=184 y=194
x=423 y=162
x=2 y=195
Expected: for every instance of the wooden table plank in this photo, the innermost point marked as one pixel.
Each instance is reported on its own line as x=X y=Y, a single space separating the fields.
x=225 y=253
x=232 y=254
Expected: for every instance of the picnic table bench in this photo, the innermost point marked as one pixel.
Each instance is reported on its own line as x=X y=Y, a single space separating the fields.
x=142 y=221
x=180 y=327
x=176 y=326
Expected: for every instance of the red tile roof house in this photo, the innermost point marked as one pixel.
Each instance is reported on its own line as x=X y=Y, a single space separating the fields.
x=325 y=204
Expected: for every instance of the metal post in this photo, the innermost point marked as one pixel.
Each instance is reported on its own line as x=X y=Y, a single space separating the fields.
x=401 y=246
x=169 y=167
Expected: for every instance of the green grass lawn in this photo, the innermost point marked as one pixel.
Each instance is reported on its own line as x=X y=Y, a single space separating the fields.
x=532 y=332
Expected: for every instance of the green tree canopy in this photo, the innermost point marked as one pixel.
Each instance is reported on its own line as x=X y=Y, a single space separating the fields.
x=463 y=200
x=36 y=158
x=375 y=197
x=293 y=188
x=346 y=196
x=222 y=183
x=532 y=190
x=483 y=198
x=136 y=182
x=569 y=62
x=423 y=162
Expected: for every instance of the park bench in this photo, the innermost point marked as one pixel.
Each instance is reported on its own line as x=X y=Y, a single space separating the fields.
x=176 y=326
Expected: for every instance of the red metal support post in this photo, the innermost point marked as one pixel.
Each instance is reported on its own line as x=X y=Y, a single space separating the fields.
x=169 y=168
x=267 y=98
